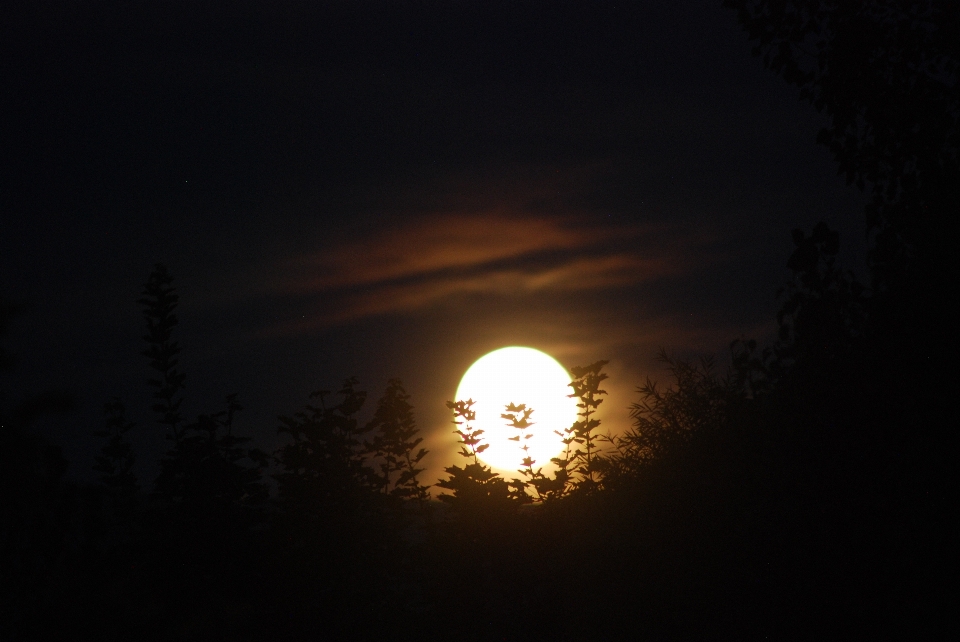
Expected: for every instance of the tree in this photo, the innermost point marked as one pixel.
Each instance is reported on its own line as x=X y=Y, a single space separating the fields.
x=324 y=472
x=208 y=468
x=159 y=302
x=36 y=507
x=586 y=388
x=116 y=458
x=667 y=419
x=518 y=417
x=393 y=446
x=885 y=74
x=475 y=486
x=865 y=436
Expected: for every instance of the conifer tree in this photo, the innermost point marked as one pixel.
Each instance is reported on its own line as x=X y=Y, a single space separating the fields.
x=393 y=446
x=205 y=466
x=159 y=302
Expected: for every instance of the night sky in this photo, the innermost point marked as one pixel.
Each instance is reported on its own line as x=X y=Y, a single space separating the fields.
x=390 y=189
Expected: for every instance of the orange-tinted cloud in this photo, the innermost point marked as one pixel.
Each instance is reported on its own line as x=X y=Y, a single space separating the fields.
x=430 y=260
x=431 y=245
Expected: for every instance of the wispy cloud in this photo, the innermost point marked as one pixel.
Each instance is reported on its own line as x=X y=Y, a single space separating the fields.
x=437 y=244
x=429 y=260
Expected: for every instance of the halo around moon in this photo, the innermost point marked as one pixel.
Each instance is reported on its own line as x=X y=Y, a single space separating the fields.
x=520 y=376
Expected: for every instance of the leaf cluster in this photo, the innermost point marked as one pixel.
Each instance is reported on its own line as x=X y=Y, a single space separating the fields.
x=824 y=308
x=475 y=486
x=518 y=417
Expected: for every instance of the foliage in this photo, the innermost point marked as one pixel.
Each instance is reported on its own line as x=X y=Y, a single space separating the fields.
x=848 y=398
x=825 y=310
x=823 y=314
x=475 y=486
x=586 y=388
x=37 y=504
x=116 y=457
x=393 y=446
x=159 y=302
x=208 y=467
x=666 y=420
x=580 y=465
x=885 y=73
x=518 y=417
x=806 y=487
x=324 y=466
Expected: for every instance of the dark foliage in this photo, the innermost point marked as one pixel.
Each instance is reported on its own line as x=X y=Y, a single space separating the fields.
x=476 y=488
x=115 y=461
x=159 y=302
x=323 y=468
x=36 y=506
x=206 y=467
x=586 y=389
x=518 y=417
x=885 y=73
x=394 y=446
x=208 y=470
x=850 y=386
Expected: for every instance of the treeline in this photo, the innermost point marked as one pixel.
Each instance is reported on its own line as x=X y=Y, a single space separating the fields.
x=746 y=500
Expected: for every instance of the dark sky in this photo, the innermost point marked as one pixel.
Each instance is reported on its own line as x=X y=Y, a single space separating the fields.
x=390 y=189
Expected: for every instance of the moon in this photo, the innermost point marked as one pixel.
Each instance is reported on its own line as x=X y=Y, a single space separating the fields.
x=519 y=375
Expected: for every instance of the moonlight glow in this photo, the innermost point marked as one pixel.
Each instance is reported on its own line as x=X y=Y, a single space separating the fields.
x=520 y=376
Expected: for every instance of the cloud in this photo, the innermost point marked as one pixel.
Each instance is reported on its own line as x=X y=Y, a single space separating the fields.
x=423 y=262
x=587 y=273
x=437 y=244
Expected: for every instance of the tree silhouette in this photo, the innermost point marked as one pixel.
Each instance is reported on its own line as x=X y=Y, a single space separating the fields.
x=885 y=73
x=323 y=468
x=838 y=398
x=393 y=446
x=581 y=443
x=475 y=486
x=159 y=302
x=667 y=420
x=518 y=417
x=207 y=466
x=37 y=505
x=116 y=458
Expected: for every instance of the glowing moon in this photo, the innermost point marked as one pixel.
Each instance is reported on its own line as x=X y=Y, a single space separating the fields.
x=519 y=376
